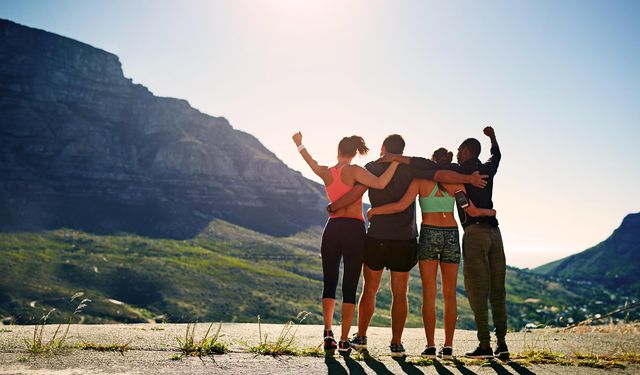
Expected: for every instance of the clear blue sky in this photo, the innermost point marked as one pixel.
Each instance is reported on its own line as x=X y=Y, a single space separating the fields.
x=558 y=80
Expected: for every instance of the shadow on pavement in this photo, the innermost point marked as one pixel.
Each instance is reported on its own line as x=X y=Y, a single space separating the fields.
x=354 y=367
x=443 y=370
x=377 y=366
x=333 y=367
x=460 y=366
x=408 y=367
x=520 y=369
x=499 y=369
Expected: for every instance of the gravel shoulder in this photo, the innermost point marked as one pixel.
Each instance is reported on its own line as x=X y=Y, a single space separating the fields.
x=151 y=347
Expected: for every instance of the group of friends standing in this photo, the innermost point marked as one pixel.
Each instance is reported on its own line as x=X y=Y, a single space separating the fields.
x=393 y=183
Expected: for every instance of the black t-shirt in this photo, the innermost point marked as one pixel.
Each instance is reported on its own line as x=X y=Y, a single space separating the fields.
x=402 y=225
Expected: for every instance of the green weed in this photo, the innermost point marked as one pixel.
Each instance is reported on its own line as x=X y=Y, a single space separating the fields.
x=422 y=362
x=284 y=343
x=547 y=357
x=38 y=345
x=120 y=348
x=207 y=346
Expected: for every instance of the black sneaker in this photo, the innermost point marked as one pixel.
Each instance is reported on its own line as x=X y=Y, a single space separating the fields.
x=344 y=346
x=397 y=350
x=480 y=353
x=429 y=352
x=446 y=352
x=359 y=342
x=502 y=351
x=329 y=342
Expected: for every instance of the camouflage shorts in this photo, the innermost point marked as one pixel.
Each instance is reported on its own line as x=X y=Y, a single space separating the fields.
x=439 y=243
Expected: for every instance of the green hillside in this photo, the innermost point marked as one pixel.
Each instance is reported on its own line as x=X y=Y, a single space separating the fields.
x=614 y=263
x=226 y=273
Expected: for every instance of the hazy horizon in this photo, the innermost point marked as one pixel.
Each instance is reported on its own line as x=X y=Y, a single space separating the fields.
x=558 y=81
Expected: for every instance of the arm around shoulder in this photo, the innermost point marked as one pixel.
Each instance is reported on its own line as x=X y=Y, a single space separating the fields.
x=347 y=199
x=367 y=178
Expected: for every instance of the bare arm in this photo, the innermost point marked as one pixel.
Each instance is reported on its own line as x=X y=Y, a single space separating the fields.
x=391 y=208
x=321 y=171
x=367 y=178
x=350 y=197
x=429 y=170
x=475 y=211
x=471 y=209
x=476 y=179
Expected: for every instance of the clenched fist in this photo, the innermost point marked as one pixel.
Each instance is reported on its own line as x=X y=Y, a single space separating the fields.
x=297 y=138
x=489 y=132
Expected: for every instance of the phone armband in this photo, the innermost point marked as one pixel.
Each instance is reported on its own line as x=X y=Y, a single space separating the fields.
x=461 y=199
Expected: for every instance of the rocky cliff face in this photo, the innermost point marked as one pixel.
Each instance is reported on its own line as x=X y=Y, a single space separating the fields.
x=82 y=146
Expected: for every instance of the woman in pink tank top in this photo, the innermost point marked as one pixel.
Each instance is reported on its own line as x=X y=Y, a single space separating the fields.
x=344 y=234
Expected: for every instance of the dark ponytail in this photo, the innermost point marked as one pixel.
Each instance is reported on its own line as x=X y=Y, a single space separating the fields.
x=349 y=146
x=442 y=156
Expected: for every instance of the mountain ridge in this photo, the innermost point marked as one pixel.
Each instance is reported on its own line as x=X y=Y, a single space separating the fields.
x=613 y=262
x=86 y=148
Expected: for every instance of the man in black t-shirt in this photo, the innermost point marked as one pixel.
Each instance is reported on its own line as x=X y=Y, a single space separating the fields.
x=391 y=239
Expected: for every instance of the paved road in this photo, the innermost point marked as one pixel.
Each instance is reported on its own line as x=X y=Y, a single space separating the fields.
x=151 y=347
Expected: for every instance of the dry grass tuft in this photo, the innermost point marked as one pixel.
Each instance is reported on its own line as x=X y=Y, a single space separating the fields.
x=120 y=348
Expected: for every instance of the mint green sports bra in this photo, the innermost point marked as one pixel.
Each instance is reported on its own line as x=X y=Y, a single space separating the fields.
x=432 y=203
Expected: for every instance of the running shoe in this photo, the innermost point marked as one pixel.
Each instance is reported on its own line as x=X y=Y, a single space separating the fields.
x=397 y=350
x=446 y=352
x=480 y=353
x=502 y=351
x=429 y=352
x=329 y=342
x=344 y=346
x=359 y=342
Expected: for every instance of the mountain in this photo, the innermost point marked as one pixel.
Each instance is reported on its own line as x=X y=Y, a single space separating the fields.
x=614 y=263
x=157 y=211
x=84 y=147
x=228 y=273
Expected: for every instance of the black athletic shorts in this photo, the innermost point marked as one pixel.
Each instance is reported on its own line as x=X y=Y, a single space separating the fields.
x=395 y=255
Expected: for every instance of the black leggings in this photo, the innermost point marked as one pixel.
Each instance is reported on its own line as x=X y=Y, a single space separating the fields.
x=342 y=238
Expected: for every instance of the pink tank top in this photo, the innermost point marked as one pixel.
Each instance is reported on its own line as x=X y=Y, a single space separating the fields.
x=338 y=188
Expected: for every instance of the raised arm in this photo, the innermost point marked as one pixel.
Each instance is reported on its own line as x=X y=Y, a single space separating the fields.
x=321 y=171
x=496 y=155
x=391 y=208
x=367 y=178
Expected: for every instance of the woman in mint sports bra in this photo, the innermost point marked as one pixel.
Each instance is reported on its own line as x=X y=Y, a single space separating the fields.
x=439 y=245
x=344 y=235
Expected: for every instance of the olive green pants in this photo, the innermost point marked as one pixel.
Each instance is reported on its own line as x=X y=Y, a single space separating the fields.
x=484 y=269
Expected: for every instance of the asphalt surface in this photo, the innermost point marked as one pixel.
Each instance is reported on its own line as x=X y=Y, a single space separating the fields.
x=151 y=347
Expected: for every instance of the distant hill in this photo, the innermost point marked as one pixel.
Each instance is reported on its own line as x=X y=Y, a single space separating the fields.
x=226 y=273
x=84 y=147
x=614 y=263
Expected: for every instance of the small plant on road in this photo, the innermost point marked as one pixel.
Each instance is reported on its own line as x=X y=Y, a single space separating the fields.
x=207 y=346
x=120 y=348
x=284 y=343
x=38 y=345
